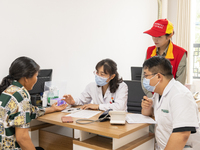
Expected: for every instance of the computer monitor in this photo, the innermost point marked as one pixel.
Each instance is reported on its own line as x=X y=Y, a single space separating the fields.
x=43 y=76
x=136 y=73
x=38 y=89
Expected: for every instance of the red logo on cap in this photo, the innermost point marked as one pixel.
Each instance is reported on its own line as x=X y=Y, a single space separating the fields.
x=158 y=25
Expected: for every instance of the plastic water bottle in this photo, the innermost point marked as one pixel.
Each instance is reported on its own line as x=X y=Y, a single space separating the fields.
x=56 y=92
x=50 y=96
x=44 y=99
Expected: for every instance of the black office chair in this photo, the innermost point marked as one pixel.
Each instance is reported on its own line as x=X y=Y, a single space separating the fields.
x=136 y=73
x=135 y=95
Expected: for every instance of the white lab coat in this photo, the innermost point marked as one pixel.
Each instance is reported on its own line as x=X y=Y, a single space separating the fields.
x=93 y=94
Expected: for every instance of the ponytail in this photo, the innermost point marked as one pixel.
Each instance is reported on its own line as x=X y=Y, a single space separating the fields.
x=6 y=82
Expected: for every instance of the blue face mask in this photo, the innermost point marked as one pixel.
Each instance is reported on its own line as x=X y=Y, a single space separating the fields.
x=146 y=84
x=100 y=81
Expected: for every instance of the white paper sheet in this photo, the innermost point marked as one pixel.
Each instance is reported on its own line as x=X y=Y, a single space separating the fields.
x=139 y=118
x=84 y=114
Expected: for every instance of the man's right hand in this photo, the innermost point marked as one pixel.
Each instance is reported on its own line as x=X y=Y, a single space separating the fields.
x=146 y=103
x=147 y=108
x=69 y=99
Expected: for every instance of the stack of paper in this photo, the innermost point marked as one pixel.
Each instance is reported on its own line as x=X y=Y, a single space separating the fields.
x=139 y=118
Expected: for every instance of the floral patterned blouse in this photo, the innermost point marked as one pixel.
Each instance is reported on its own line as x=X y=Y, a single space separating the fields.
x=16 y=110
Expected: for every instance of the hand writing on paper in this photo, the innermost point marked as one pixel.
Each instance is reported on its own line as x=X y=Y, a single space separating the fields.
x=69 y=99
x=90 y=106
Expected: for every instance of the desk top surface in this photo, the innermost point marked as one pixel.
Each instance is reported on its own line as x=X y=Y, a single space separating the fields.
x=101 y=128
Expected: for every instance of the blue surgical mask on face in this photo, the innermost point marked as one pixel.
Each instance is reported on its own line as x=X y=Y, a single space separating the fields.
x=147 y=86
x=100 y=81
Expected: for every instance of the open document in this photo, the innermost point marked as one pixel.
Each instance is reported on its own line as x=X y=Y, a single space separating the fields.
x=139 y=118
x=84 y=114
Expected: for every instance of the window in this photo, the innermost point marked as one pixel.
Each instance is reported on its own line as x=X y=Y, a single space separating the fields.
x=196 y=45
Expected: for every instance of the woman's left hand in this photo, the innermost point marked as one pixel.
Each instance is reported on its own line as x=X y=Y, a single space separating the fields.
x=90 y=106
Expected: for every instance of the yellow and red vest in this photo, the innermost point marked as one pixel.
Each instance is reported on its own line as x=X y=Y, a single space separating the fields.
x=174 y=54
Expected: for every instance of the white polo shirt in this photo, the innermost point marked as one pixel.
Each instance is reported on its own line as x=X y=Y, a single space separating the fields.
x=176 y=108
x=116 y=101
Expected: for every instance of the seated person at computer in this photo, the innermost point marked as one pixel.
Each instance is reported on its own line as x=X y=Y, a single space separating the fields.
x=16 y=110
x=173 y=106
x=108 y=92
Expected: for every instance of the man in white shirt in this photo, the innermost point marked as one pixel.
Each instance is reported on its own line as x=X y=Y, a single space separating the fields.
x=173 y=106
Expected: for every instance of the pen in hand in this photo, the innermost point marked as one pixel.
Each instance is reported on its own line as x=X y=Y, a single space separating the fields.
x=146 y=103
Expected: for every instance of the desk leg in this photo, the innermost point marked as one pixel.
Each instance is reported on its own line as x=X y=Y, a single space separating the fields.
x=129 y=138
x=76 y=134
x=34 y=137
x=147 y=145
x=86 y=135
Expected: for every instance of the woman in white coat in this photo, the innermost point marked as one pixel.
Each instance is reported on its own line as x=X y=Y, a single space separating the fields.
x=107 y=92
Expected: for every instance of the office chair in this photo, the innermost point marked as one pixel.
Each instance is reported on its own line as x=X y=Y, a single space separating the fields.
x=136 y=73
x=135 y=95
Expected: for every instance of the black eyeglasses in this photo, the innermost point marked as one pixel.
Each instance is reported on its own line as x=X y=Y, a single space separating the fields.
x=152 y=75
x=145 y=76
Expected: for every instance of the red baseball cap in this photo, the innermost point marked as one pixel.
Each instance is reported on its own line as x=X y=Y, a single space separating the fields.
x=160 y=28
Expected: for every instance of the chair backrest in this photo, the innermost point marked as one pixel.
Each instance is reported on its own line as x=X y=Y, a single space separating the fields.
x=136 y=73
x=135 y=95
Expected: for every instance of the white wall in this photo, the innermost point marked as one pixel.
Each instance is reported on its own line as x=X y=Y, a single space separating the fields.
x=71 y=36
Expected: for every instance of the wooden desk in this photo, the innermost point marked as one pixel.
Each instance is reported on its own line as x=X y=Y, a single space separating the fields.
x=115 y=136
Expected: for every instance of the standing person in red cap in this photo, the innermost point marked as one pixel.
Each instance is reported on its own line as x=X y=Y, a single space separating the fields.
x=161 y=32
